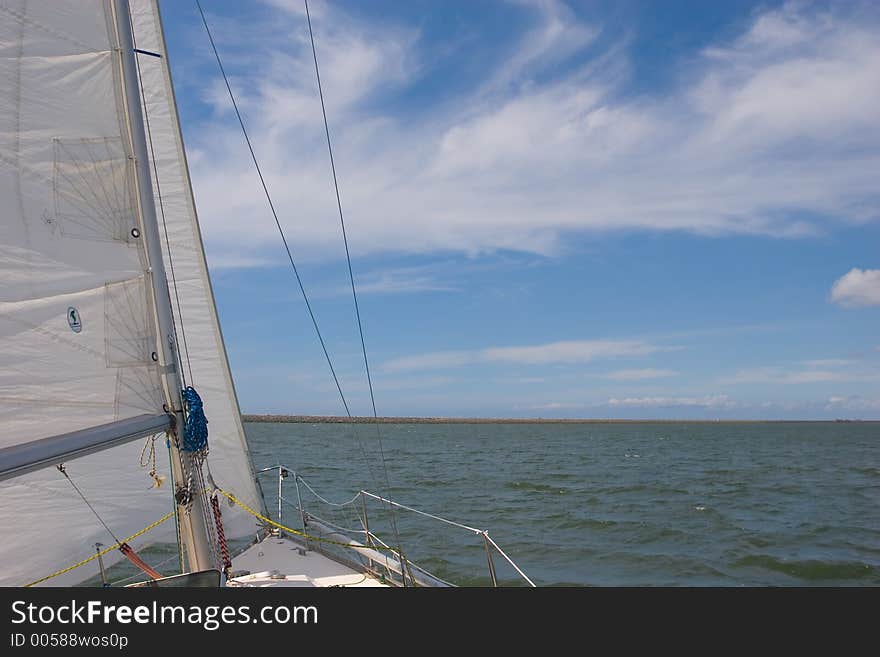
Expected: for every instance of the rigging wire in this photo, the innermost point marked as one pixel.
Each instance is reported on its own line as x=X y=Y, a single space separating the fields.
x=164 y=224
x=63 y=471
x=283 y=237
x=291 y=258
x=350 y=272
x=274 y=213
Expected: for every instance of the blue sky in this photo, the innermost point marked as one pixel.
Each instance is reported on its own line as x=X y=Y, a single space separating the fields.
x=582 y=209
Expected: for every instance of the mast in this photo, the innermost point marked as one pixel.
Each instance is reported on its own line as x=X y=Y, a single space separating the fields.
x=191 y=515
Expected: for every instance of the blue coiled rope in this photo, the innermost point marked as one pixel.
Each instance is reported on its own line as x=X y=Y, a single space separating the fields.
x=195 y=428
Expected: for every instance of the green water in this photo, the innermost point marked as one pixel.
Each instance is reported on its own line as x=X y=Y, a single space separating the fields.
x=787 y=504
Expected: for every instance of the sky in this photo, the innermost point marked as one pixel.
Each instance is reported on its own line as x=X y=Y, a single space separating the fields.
x=554 y=209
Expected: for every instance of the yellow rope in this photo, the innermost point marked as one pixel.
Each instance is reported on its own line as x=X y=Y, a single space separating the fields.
x=104 y=551
x=232 y=498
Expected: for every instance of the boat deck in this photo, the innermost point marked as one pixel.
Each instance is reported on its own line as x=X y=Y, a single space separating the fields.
x=279 y=561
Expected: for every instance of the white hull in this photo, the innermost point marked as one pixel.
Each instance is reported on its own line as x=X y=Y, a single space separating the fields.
x=280 y=561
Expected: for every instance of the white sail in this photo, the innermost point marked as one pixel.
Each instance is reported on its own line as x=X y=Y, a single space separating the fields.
x=46 y=526
x=77 y=328
x=200 y=340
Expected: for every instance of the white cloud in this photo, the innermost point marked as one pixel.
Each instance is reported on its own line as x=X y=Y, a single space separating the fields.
x=402 y=280
x=710 y=401
x=829 y=362
x=570 y=351
x=557 y=35
x=414 y=383
x=229 y=260
x=771 y=127
x=784 y=376
x=778 y=375
x=434 y=360
x=636 y=375
x=566 y=352
x=524 y=380
x=852 y=403
x=858 y=287
x=554 y=406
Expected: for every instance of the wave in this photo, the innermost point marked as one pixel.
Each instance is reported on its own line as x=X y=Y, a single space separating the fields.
x=535 y=487
x=811 y=570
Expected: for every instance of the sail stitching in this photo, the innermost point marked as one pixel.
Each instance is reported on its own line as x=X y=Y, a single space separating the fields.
x=164 y=223
x=27 y=20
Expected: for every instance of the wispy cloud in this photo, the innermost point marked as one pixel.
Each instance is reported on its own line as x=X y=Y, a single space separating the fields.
x=569 y=351
x=710 y=401
x=858 y=287
x=402 y=280
x=566 y=352
x=637 y=375
x=852 y=403
x=803 y=375
x=554 y=406
x=556 y=35
x=392 y=282
x=228 y=260
x=829 y=362
x=433 y=360
x=771 y=131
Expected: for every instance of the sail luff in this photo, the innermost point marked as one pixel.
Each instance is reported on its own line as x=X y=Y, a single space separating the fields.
x=196 y=315
x=191 y=513
x=203 y=265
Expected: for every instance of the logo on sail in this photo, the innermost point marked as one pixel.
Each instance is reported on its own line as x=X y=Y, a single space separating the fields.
x=74 y=320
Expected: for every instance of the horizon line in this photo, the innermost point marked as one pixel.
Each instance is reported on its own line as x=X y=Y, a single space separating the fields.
x=407 y=419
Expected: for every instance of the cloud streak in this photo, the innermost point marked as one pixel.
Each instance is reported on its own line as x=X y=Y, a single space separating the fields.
x=803 y=375
x=638 y=375
x=852 y=403
x=554 y=353
x=709 y=401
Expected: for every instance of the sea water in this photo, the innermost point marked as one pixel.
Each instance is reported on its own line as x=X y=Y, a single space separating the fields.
x=666 y=504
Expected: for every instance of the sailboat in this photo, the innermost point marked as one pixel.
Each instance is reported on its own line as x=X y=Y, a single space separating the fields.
x=119 y=422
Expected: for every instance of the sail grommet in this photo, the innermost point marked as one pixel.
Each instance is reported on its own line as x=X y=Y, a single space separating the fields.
x=154 y=356
x=135 y=233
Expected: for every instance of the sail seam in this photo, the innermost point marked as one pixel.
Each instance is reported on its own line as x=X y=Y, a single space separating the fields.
x=24 y=20
x=164 y=226
x=199 y=250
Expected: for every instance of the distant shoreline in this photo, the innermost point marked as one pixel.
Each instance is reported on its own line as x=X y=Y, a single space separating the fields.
x=341 y=419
